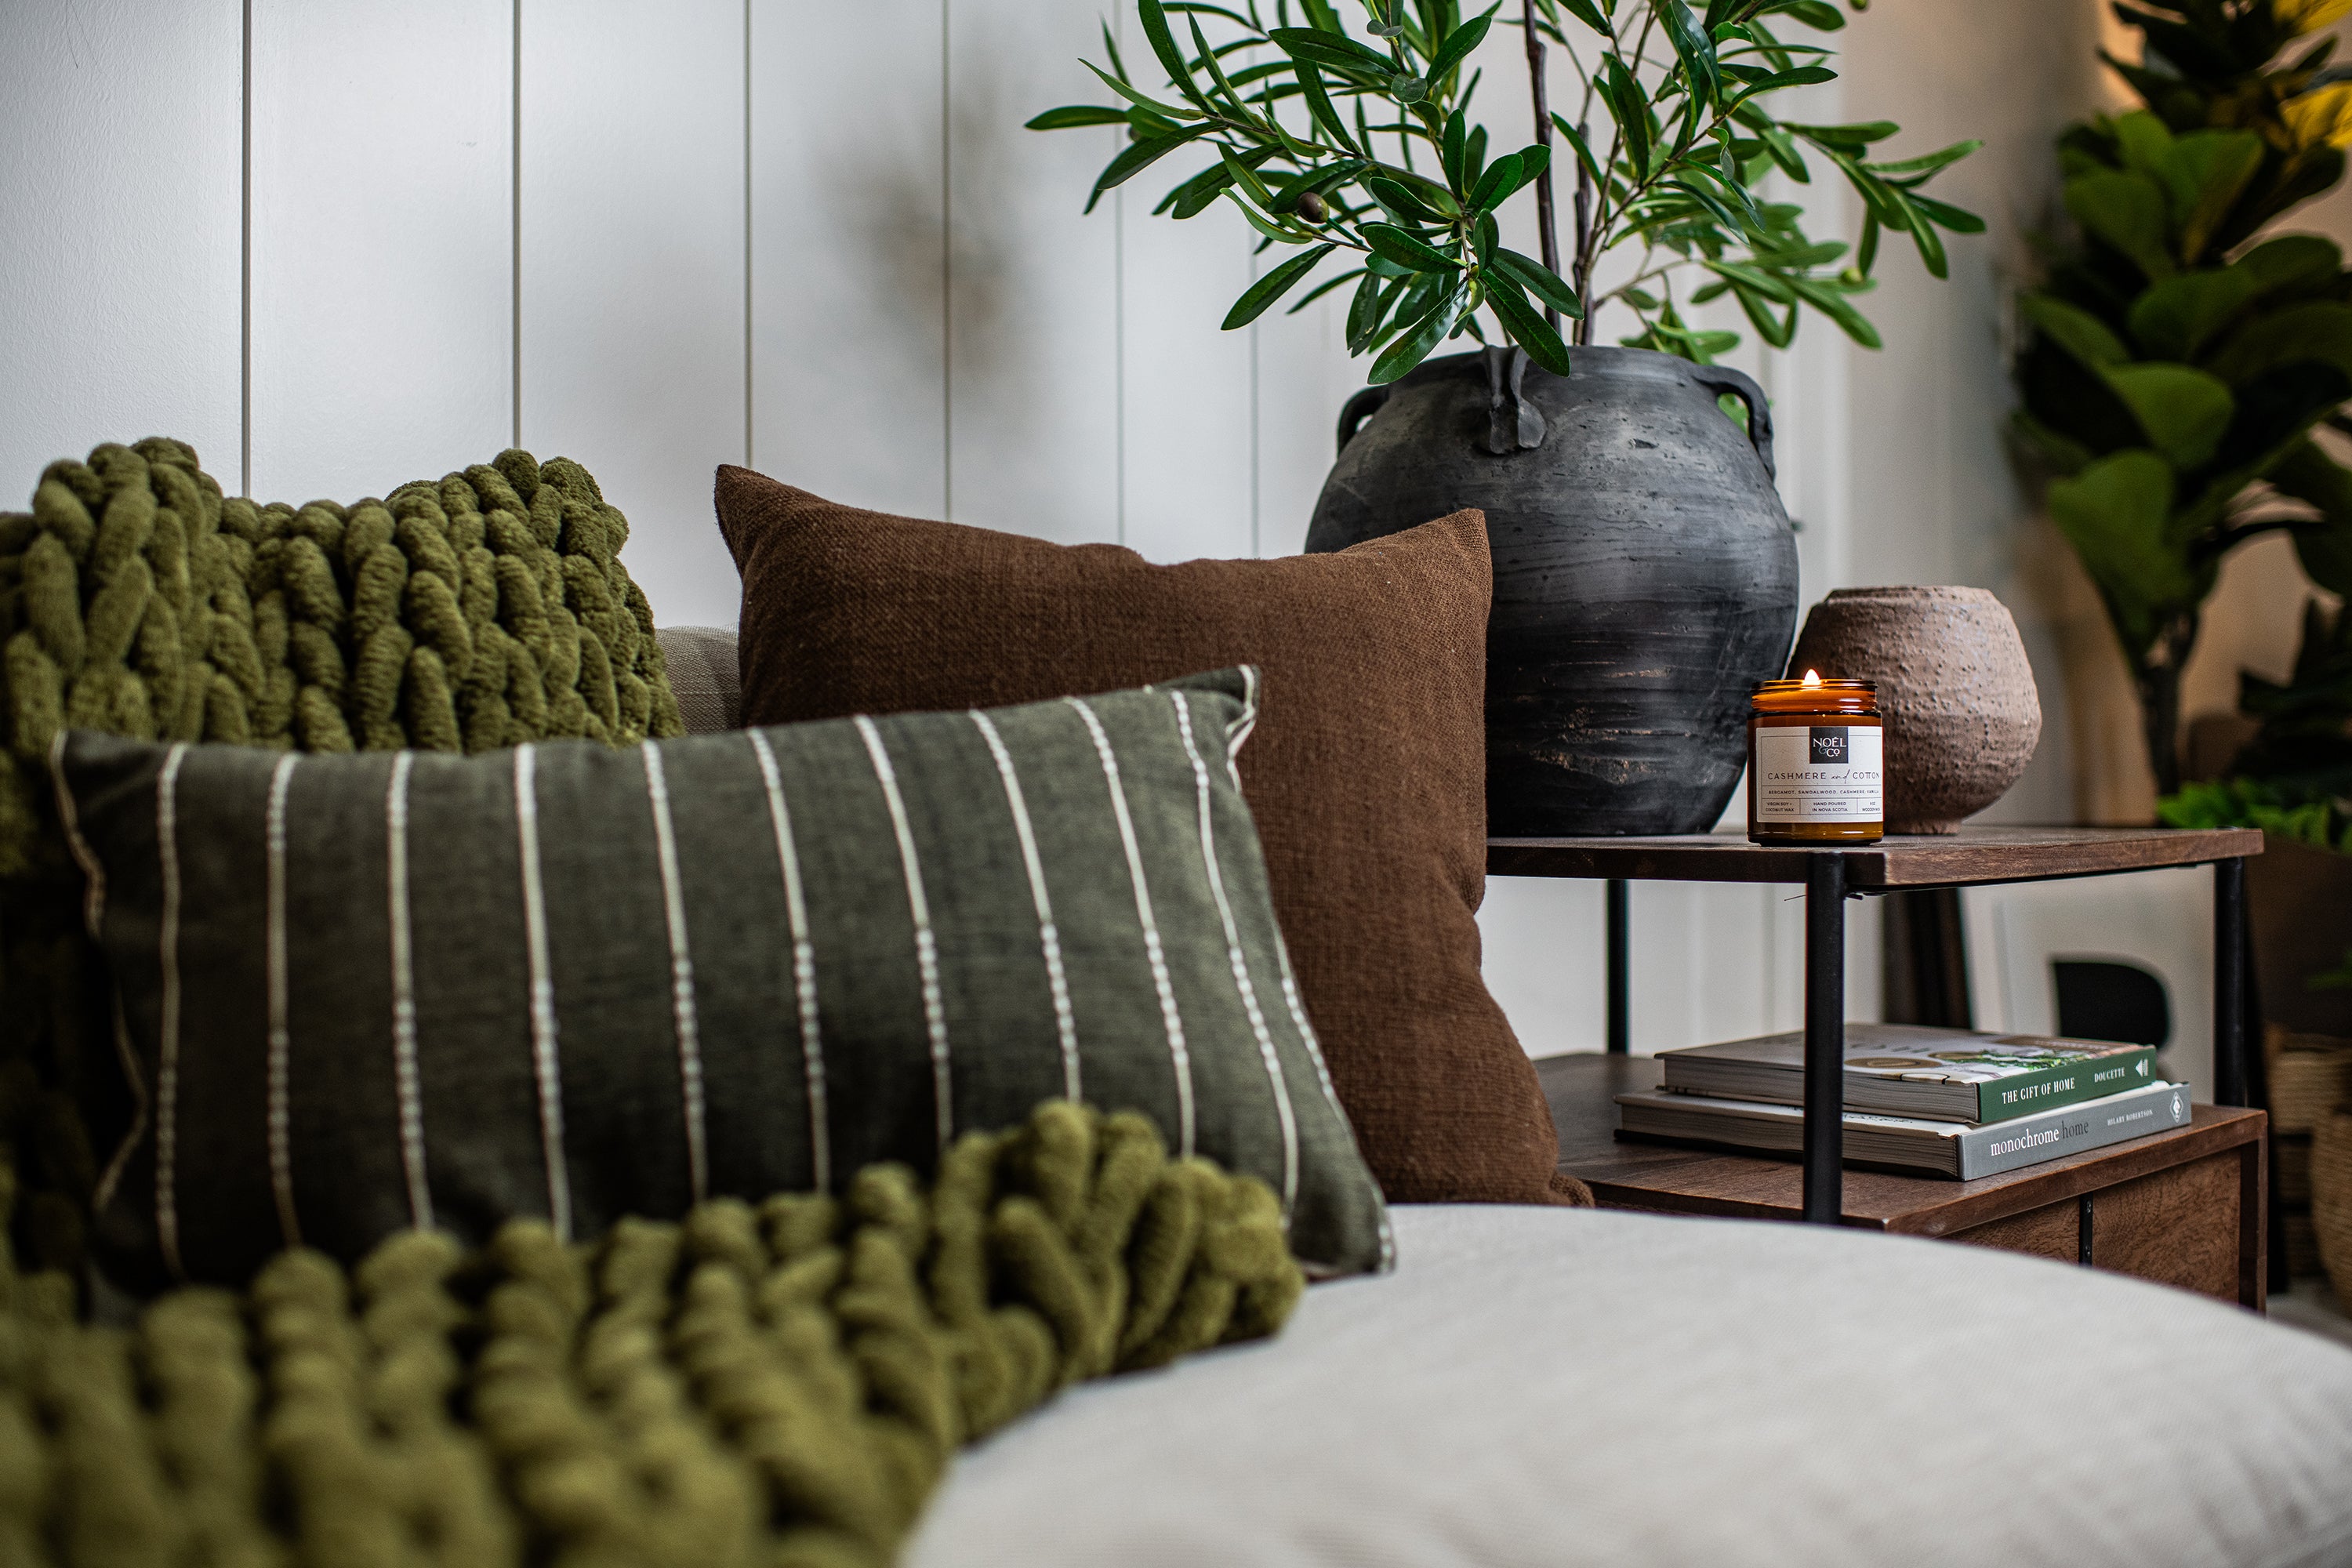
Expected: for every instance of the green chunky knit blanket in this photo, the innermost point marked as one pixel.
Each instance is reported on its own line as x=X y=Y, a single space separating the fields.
x=779 y=1385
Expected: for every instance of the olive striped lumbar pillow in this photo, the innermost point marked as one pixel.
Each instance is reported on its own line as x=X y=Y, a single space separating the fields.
x=360 y=994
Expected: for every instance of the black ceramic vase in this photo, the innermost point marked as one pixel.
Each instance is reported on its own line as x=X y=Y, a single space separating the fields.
x=1645 y=576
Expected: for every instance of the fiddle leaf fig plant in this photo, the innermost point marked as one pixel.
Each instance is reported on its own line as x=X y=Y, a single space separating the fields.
x=1358 y=161
x=2178 y=361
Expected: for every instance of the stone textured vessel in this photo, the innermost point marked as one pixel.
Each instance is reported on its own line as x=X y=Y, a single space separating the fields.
x=1962 y=714
x=1645 y=576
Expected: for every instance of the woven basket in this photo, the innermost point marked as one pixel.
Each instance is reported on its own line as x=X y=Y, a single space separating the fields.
x=2310 y=1076
x=2293 y=1168
x=2331 y=1198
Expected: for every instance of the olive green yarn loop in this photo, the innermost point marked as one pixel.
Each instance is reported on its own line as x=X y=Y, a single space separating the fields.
x=134 y=598
x=481 y=610
x=774 y=1384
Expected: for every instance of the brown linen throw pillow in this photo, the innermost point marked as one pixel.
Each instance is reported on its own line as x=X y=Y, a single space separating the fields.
x=1367 y=771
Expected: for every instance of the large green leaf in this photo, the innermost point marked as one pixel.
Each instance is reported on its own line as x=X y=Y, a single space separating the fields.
x=1501 y=178
x=1403 y=204
x=1423 y=333
x=1926 y=163
x=1319 y=105
x=2177 y=318
x=1075 y=115
x=2113 y=513
x=1368 y=311
x=2294 y=266
x=1138 y=157
x=1540 y=281
x=1584 y=152
x=1959 y=220
x=1526 y=326
x=1630 y=106
x=1154 y=18
x=1393 y=244
x=1854 y=137
x=2204 y=173
x=2144 y=140
x=1331 y=49
x=1457 y=46
x=1273 y=286
x=2309 y=474
x=1693 y=48
x=1822 y=297
x=2127 y=212
x=2060 y=450
x=1167 y=112
x=2183 y=410
x=2320 y=330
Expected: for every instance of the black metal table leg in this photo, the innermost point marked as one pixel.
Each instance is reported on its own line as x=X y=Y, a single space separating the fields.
x=1825 y=1038
x=2229 y=981
x=1620 y=1003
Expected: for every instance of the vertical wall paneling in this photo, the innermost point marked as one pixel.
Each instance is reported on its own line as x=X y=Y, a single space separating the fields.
x=632 y=330
x=1545 y=964
x=1187 y=383
x=1302 y=376
x=119 y=206
x=381 y=222
x=1033 y=318
x=848 y=208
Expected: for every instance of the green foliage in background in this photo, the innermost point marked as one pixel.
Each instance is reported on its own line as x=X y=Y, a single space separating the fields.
x=2294 y=777
x=1358 y=159
x=2178 y=363
x=2250 y=802
x=2304 y=748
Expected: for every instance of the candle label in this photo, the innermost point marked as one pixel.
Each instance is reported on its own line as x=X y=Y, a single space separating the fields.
x=1819 y=773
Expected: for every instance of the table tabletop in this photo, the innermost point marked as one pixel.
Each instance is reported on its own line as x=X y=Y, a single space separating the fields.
x=1689 y=1179
x=1972 y=857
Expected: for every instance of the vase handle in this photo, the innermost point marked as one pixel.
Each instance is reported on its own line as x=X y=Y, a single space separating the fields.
x=1720 y=378
x=1359 y=408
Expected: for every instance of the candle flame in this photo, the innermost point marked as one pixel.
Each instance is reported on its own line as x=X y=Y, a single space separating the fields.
x=1813 y=678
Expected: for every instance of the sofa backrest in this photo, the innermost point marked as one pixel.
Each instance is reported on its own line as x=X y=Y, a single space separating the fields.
x=704 y=674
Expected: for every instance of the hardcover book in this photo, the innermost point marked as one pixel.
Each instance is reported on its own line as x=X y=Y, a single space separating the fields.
x=1912 y=1143
x=1908 y=1069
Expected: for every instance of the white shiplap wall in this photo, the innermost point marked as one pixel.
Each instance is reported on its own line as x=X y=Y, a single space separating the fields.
x=338 y=246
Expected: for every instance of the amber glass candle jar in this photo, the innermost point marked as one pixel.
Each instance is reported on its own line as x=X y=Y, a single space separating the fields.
x=1816 y=771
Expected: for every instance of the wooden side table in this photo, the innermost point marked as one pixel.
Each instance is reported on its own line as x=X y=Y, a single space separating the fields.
x=2183 y=1208
x=1975 y=857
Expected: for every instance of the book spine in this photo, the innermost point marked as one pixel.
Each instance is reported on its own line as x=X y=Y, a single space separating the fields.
x=2052 y=1134
x=2029 y=1093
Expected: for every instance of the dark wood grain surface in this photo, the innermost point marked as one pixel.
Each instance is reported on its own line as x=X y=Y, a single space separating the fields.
x=2177 y=1225
x=1624 y=1173
x=1972 y=855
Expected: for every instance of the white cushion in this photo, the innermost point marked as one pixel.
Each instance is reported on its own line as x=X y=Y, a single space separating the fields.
x=1556 y=1387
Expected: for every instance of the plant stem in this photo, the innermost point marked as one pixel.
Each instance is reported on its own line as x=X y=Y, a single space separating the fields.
x=1589 y=222
x=1584 y=229
x=1547 y=223
x=2158 y=680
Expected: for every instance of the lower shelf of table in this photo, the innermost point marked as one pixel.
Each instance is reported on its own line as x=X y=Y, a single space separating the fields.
x=2183 y=1208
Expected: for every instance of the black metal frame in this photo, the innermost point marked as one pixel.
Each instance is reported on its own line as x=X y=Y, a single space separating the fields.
x=1826 y=893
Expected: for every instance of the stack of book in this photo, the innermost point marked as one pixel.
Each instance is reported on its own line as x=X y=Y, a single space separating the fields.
x=1940 y=1101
